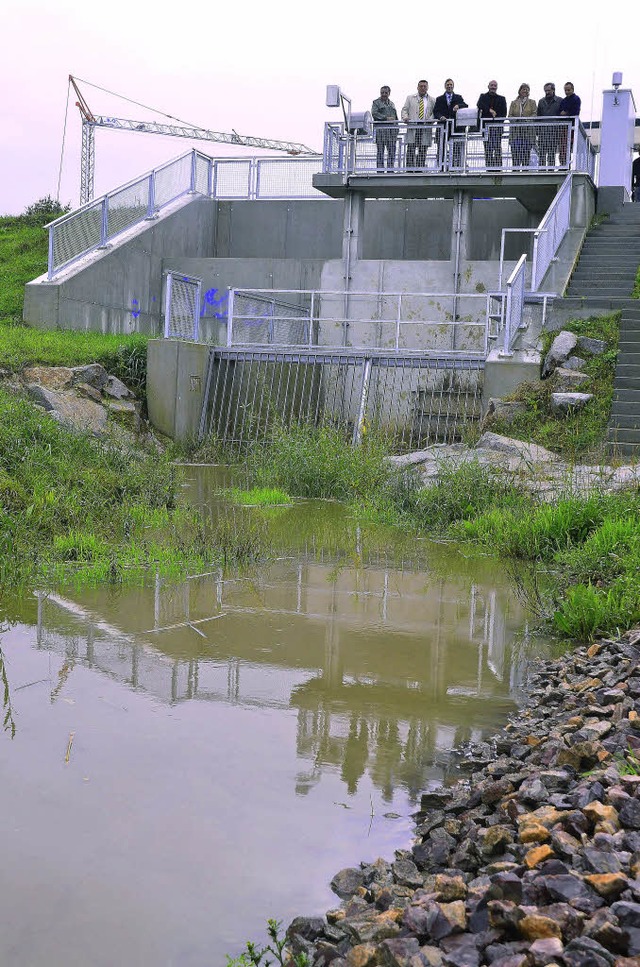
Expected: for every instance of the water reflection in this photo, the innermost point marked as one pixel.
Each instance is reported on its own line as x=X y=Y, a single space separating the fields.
x=386 y=669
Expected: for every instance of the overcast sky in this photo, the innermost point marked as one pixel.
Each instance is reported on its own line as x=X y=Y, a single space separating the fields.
x=262 y=68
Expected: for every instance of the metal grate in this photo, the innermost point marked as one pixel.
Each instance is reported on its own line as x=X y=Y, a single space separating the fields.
x=182 y=306
x=414 y=399
x=127 y=207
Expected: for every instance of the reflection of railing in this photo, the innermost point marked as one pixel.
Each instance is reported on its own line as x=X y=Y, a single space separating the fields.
x=502 y=146
x=97 y=223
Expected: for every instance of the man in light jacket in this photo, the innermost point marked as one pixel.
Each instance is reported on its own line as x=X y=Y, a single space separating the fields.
x=417 y=113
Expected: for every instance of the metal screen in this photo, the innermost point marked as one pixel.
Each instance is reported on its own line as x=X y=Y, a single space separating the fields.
x=182 y=307
x=514 y=305
x=265 y=320
x=415 y=400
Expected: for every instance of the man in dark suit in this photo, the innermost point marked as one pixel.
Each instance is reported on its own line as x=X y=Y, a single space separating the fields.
x=491 y=107
x=445 y=109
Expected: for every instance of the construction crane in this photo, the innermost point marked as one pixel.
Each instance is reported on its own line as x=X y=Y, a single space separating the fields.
x=91 y=121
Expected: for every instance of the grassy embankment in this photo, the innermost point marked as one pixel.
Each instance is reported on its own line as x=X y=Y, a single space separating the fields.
x=72 y=506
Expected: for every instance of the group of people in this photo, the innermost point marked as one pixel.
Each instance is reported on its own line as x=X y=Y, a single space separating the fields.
x=421 y=110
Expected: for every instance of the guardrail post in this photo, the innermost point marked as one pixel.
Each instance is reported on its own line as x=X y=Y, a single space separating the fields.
x=192 y=185
x=230 y=318
x=167 y=305
x=151 y=204
x=104 y=222
x=210 y=165
x=258 y=171
x=50 y=265
x=398 y=317
x=534 y=262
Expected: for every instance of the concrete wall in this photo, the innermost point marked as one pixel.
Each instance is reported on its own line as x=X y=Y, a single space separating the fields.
x=393 y=228
x=119 y=289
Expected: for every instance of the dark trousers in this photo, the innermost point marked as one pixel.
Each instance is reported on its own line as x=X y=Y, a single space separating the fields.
x=385 y=143
x=493 y=147
x=417 y=150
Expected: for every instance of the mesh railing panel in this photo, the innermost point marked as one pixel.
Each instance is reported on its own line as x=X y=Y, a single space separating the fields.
x=202 y=174
x=76 y=235
x=414 y=401
x=232 y=179
x=173 y=180
x=182 y=311
x=268 y=321
x=286 y=178
x=127 y=207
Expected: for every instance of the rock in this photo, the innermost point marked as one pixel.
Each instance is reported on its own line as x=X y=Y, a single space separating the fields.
x=399 y=952
x=528 y=452
x=544 y=951
x=576 y=363
x=534 y=926
x=629 y=814
x=561 y=348
x=586 y=952
x=363 y=955
x=537 y=855
x=94 y=374
x=507 y=412
x=607 y=884
x=565 y=380
x=406 y=873
x=55 y=378
x=565 y=403
x=115 y=388
x=347 y=882
x=596 y=347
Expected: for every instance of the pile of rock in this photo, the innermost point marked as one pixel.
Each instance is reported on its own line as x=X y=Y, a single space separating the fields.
x=84 y=398
x=532 y=860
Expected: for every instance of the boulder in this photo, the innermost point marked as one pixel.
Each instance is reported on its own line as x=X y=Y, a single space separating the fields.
x=564 y=403
x=561 y=348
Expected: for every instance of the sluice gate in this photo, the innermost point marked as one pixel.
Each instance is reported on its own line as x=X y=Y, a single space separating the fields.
x=416 y=399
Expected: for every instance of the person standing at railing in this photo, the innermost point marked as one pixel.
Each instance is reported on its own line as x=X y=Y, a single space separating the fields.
x=492 y=106
x=635 y=179
x=383 y=112
x=417 y=114
x=548 y=134
x=446 y=108
x=569 y=108
x=522 y=135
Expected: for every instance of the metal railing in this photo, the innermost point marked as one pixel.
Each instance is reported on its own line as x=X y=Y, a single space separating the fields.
x=545 y=239
x=182 y=306
x=415 y=399
x=514 y=305
x=423 y=322
x=550 y=233
x=508 y=145
x=97 y=223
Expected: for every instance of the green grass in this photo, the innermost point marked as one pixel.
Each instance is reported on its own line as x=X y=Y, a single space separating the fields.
x=581 y=435
x=260 y=497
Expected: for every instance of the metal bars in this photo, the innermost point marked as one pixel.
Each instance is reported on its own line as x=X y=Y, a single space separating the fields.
x=414 y=399
x=514 y=305
x=505 y=145
x=182 y=306
x=550 y=233
x=424 y=322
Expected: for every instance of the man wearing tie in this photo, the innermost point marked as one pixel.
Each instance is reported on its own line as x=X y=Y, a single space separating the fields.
x=417 y=113
x=445 y=109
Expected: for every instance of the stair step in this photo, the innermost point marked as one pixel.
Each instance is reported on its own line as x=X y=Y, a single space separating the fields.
x=627 y=410
x=621 y=434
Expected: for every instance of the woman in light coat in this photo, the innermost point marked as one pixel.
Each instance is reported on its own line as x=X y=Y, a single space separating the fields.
x=522 y=136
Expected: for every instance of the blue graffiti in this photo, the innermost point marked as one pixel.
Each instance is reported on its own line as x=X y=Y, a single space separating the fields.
x=214 y=304
x=135 y=312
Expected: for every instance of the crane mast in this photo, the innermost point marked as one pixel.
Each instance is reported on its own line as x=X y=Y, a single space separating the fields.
x=92 y=121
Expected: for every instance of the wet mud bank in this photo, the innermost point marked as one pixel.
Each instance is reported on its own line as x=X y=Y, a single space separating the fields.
x=532 y=859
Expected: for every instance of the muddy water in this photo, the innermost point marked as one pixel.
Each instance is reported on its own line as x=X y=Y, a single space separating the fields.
x=190 y=759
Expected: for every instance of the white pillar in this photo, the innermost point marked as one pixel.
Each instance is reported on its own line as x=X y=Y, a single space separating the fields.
x=616 y=140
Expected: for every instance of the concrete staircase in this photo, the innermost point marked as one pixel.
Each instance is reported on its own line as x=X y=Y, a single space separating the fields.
x=603 y=281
